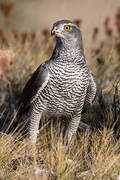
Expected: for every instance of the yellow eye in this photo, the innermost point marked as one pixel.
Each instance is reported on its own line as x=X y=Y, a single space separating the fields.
x=67 y=28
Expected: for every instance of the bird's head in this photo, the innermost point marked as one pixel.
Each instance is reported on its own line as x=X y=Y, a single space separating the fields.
x=68 y=34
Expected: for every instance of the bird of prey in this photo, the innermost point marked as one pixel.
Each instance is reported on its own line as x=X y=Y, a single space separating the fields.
x=62 y=86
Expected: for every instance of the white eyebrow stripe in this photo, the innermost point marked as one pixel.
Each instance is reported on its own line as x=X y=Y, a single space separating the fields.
x=72 y=25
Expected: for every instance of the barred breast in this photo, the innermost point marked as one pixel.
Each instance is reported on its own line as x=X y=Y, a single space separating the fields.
x=66 y=88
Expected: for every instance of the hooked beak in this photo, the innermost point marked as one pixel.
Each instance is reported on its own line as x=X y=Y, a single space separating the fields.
x=56 y=31
x=53 y=32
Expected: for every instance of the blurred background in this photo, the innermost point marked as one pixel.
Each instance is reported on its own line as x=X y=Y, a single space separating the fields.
x=35 y=15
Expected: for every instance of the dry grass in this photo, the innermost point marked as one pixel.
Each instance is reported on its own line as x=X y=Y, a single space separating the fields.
x=94 y=158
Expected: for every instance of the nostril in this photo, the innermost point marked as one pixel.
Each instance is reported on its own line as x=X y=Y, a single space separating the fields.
x=55 y=28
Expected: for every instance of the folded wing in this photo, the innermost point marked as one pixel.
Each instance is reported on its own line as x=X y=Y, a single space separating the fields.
x=32 y=89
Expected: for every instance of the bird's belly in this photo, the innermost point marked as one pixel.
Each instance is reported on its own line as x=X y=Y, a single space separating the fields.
x=64 y=93
x=60 y=108
x=64 y=101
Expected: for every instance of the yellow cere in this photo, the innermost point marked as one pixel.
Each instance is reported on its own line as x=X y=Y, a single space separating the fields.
x=55 y=28
x=67 y=28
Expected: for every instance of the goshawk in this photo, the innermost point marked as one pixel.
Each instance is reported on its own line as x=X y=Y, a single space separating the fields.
x=62 y=86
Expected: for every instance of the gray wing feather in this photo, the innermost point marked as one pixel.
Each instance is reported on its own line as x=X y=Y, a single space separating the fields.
x=91 y=93
x=34 y=86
